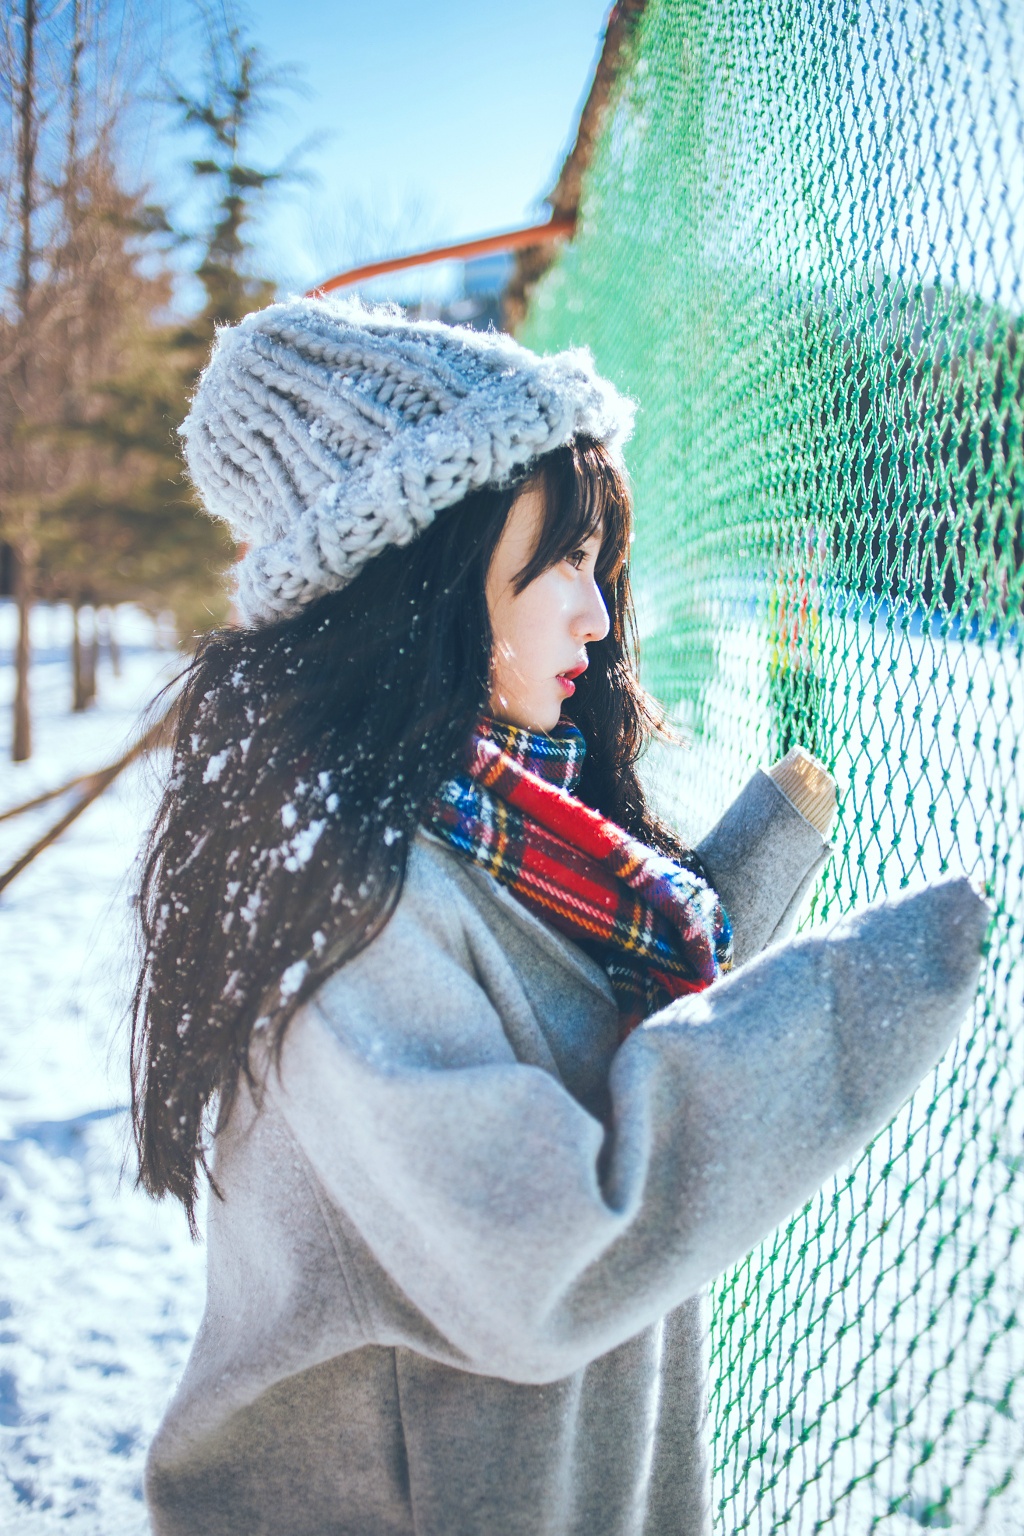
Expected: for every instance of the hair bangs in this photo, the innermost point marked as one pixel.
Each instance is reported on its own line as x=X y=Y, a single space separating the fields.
x=583 y=492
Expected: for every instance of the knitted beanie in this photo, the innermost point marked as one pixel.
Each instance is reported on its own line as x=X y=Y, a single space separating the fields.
x=322 y=431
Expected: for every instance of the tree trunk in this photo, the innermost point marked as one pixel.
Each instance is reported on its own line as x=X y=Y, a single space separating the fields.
x=26 y=110
x=83 y=663
x=111 y=641
x=90 y=647
x=21 y=746
x=76 y=661
x=24 y=563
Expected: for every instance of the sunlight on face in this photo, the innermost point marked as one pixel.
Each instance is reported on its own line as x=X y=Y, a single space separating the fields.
x=541 y=634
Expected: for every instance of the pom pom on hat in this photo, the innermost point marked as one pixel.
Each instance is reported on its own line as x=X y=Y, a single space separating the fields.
x=322 y=431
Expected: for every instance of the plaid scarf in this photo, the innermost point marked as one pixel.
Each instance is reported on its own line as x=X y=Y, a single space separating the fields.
x=658 y=929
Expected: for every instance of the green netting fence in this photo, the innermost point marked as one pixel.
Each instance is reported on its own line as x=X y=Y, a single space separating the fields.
x=801 y=249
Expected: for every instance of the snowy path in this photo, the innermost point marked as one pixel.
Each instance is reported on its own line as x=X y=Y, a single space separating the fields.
x=100 y=1289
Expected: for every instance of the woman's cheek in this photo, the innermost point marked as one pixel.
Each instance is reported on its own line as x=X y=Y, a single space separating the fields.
x=535 y=652
x=546 y=628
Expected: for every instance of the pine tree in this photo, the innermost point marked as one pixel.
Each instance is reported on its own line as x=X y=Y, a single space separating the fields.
x=237 y=89
x=95 y=507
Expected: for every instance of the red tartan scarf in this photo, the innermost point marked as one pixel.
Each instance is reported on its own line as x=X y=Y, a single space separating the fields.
x=658 y=929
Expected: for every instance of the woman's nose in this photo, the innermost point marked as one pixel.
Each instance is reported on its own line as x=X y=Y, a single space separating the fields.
x=593 y=622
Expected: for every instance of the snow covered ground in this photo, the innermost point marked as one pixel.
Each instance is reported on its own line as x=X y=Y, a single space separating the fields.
x=100 y=1288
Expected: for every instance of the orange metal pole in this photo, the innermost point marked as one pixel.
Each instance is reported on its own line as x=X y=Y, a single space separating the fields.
x=511 y=240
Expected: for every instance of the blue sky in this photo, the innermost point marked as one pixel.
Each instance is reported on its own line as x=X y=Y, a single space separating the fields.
x=440 y=119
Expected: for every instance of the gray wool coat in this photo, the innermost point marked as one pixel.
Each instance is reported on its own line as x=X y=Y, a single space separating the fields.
x=456 y=1282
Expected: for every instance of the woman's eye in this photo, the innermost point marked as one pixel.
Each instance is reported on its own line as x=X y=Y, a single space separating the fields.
x=576 y=558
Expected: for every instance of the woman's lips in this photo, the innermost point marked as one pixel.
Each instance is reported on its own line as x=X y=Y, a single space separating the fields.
x=566 y=679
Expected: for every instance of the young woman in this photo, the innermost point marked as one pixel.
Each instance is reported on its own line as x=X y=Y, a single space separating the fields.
x=441 y=995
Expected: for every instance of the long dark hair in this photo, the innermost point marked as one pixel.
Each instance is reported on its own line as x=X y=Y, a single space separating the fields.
x=306 y=751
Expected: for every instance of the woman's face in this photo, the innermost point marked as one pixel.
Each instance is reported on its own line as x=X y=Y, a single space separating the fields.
x=540 y=634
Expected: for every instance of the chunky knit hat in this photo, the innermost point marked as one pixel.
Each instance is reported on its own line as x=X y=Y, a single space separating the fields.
x=323 y=431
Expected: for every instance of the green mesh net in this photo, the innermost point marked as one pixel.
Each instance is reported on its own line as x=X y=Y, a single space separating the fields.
x=801 y=249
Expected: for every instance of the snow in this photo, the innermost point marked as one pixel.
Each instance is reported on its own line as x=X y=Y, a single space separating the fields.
x=293 y=977
x=303 y=844
x=216 y=765
x=101 y=1289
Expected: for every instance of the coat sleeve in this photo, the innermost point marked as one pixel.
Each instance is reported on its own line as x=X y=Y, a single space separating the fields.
x=522 y=1240
x=762 y=858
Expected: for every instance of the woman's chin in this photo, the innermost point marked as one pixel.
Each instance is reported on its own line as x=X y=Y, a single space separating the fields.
x=537 y=715
x=547 y=718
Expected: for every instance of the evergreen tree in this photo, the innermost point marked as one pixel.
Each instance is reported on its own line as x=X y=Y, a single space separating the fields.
x=95 y=506
x=236 y=91
x=134 y=532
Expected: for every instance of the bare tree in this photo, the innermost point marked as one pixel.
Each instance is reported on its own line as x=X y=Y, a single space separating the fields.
x=20 y=520
x=346 y=233
x=72 y=297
